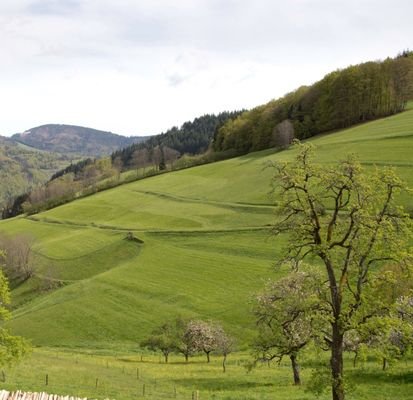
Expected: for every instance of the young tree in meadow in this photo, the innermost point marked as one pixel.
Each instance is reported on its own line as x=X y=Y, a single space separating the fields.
x=348 y=221
x=353 y=343
x=225 y=344
x=203 y=336
x=184 y=342
x=163 y=339
x=285 y=313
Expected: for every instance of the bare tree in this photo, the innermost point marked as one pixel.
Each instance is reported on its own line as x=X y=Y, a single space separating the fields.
x=225 y=344
x=140 y=159
x=117 y=165
x=170 y=155
x=283 y=134
x=156 y=157
x=90 y=176
x=20 y=258
x=49 y=280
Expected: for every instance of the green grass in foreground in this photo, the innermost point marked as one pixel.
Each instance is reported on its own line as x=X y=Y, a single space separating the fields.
x=124 y=374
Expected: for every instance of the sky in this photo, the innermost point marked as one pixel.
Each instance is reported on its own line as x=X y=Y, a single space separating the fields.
x=138 y=67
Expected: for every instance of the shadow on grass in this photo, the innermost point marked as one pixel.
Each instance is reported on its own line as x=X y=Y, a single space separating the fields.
x=213 y=384
x=360 y=376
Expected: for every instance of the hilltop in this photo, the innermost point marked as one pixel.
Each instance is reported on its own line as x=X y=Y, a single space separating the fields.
x=30 y=159
x=72 y=139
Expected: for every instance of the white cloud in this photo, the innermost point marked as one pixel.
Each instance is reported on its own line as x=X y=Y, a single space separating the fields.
x=138 y=67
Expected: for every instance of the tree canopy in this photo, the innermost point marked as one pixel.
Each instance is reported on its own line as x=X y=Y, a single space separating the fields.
x=193 y=137
x=342 y=98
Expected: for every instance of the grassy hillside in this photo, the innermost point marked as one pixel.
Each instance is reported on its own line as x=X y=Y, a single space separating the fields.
x=206 y=245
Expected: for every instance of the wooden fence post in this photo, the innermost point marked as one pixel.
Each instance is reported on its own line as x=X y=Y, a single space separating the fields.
x=97 y=383
x=143 y=390
x=47 y=379
x=137 y=373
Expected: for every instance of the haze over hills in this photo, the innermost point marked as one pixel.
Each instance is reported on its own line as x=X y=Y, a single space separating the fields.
x=72 y=139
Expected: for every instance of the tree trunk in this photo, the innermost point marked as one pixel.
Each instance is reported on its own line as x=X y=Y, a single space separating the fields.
x=336 y=363
x=223 y=363
x=207 y=354
x=355 y=359
x=384 y=365
x=296 y=369
x=166 y=357
x=186 y=357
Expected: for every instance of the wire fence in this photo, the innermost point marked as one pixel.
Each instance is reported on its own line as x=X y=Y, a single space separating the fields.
x=95 y=378
x=99 y=389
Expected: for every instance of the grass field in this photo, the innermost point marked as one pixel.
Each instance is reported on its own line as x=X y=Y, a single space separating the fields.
x=128 y=374
x=206 y=249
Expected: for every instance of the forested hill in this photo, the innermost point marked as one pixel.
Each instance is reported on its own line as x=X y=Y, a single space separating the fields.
x=342 y=98
x=22 y=168
x=193 y=137
x=74 y=139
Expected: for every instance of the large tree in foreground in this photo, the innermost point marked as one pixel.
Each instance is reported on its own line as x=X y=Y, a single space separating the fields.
x=347 y=221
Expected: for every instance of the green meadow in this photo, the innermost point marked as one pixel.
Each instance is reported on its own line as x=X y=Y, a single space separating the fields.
x=127 y=373
x=204 y=249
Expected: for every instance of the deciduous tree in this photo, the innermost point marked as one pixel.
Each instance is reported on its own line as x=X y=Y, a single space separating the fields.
x=162 y=338
x=225 y=344
x=285 y=313
x=348 y=221
x=203 y=336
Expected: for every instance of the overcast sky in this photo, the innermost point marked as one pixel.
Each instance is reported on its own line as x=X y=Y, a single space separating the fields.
x=139 y=67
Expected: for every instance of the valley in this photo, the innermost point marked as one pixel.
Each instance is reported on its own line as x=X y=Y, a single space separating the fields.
x=205 y=248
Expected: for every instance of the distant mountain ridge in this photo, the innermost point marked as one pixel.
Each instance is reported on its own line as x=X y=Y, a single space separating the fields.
x=72 y=139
